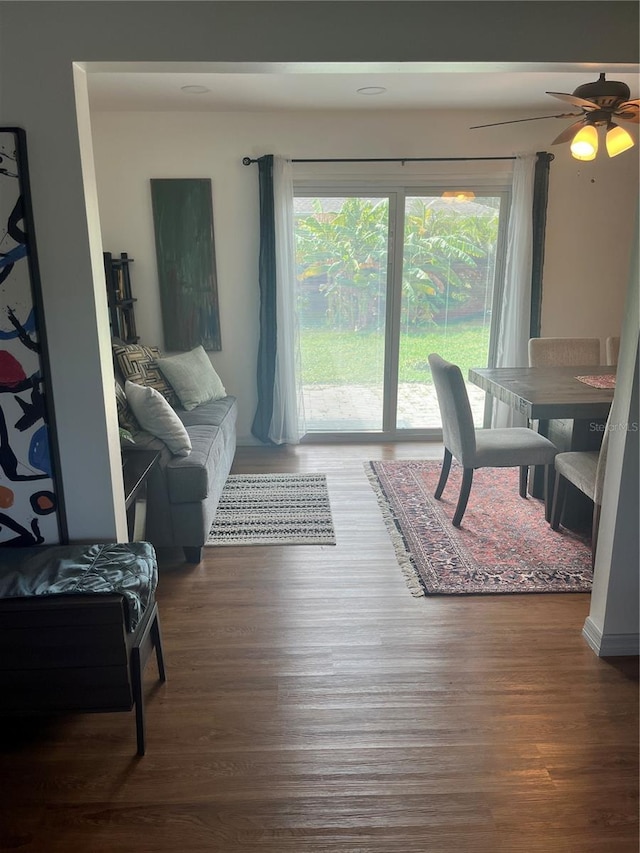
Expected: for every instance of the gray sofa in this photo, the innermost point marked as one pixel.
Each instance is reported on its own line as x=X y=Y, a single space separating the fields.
x=183 y=491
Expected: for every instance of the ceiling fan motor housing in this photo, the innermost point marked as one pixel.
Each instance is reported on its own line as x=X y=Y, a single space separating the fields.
x=597 y=117
x=604 y=93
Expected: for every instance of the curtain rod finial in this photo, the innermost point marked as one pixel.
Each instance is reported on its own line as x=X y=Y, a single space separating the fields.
x=247 y=161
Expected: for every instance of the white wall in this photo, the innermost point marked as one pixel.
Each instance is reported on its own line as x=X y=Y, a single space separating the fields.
x=40 y=41
x=591 y=207
x=591 y=228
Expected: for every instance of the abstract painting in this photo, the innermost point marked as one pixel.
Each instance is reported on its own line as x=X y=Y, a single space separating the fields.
x=185 y=252
x=30 y=512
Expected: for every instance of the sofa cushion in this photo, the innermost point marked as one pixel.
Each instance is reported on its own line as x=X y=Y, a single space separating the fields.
x=213 y=413
x=192 y=377
x=137 y=363
x=189 y=478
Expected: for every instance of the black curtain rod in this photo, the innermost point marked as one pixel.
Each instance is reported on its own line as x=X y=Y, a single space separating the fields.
x=247 y=161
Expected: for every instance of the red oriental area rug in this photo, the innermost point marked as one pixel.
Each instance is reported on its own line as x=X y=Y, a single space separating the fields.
x=504 y=544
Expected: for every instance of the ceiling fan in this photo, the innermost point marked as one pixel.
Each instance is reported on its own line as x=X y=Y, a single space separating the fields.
x=599 y=102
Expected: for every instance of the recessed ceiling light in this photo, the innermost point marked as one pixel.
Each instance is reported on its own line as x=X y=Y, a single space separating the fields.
x=371 y=90
x=195 y=90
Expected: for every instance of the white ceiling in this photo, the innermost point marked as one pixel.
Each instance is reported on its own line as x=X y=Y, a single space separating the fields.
x=328 y=86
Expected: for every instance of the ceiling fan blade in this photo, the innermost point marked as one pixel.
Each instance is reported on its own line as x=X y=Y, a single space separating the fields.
x=569 y=132
x=571 y=99
x=516 y=120
x=629 y=111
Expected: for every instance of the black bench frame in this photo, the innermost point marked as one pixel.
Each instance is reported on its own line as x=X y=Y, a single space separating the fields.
x=68 y=653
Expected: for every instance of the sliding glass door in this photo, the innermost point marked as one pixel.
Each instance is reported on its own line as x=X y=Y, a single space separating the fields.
x=342 y=249
x=384 y=279
x=448 y=278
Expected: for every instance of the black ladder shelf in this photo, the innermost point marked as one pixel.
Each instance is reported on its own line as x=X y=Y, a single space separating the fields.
x=121 y=302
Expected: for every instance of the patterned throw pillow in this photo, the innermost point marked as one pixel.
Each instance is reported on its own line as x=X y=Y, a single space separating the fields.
x=137 y=363
x=126 y=418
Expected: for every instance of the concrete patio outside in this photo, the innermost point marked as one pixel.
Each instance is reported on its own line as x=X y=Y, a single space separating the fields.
x=358 y=408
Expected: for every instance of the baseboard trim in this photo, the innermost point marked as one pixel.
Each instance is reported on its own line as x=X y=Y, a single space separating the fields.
x=611 y=645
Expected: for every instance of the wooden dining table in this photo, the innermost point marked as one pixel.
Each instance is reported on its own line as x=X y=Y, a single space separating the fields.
x=544 y=393
x=551 y=394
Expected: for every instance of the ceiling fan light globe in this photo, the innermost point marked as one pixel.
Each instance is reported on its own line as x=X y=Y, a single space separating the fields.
x=584 y=145
x=618 y=140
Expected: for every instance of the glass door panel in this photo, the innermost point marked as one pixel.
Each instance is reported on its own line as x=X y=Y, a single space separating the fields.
x=342 y=252
x=449 y=264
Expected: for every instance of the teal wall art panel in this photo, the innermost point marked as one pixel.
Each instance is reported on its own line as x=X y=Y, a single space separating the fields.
x=186 y=258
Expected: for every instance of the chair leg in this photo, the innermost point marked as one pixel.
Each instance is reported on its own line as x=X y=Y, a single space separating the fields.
x=156 y=639
x=524 y=476
x=549 y=482
x=444 y=474
x=559 y=493
x=465 y=488
x=138 y=698
x=536 y=479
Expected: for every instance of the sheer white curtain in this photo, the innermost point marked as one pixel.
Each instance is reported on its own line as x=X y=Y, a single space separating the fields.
x=287 y=422
x=515 y=316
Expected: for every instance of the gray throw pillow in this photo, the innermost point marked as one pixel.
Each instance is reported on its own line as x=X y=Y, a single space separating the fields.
x=156 y=416
x=192 y=377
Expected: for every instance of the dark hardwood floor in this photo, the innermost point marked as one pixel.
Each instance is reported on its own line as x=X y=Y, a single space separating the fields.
x=314 y=706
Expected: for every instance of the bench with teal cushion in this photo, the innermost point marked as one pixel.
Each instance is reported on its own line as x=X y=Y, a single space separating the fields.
x=77 y=626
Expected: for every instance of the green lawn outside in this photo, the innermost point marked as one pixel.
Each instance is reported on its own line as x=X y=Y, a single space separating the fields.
x=344 y=358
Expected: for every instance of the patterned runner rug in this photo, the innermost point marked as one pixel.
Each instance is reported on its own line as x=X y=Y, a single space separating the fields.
x=274 y=509
x=504 y=544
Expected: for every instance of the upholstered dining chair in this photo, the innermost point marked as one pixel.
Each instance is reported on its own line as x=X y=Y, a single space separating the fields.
x=561 y=352
x=612 y=350
x=547 y=352
x=481 y=448
x=585 y=470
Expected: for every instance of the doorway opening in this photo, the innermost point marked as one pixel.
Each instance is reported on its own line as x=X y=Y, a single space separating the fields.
x=386 y=277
